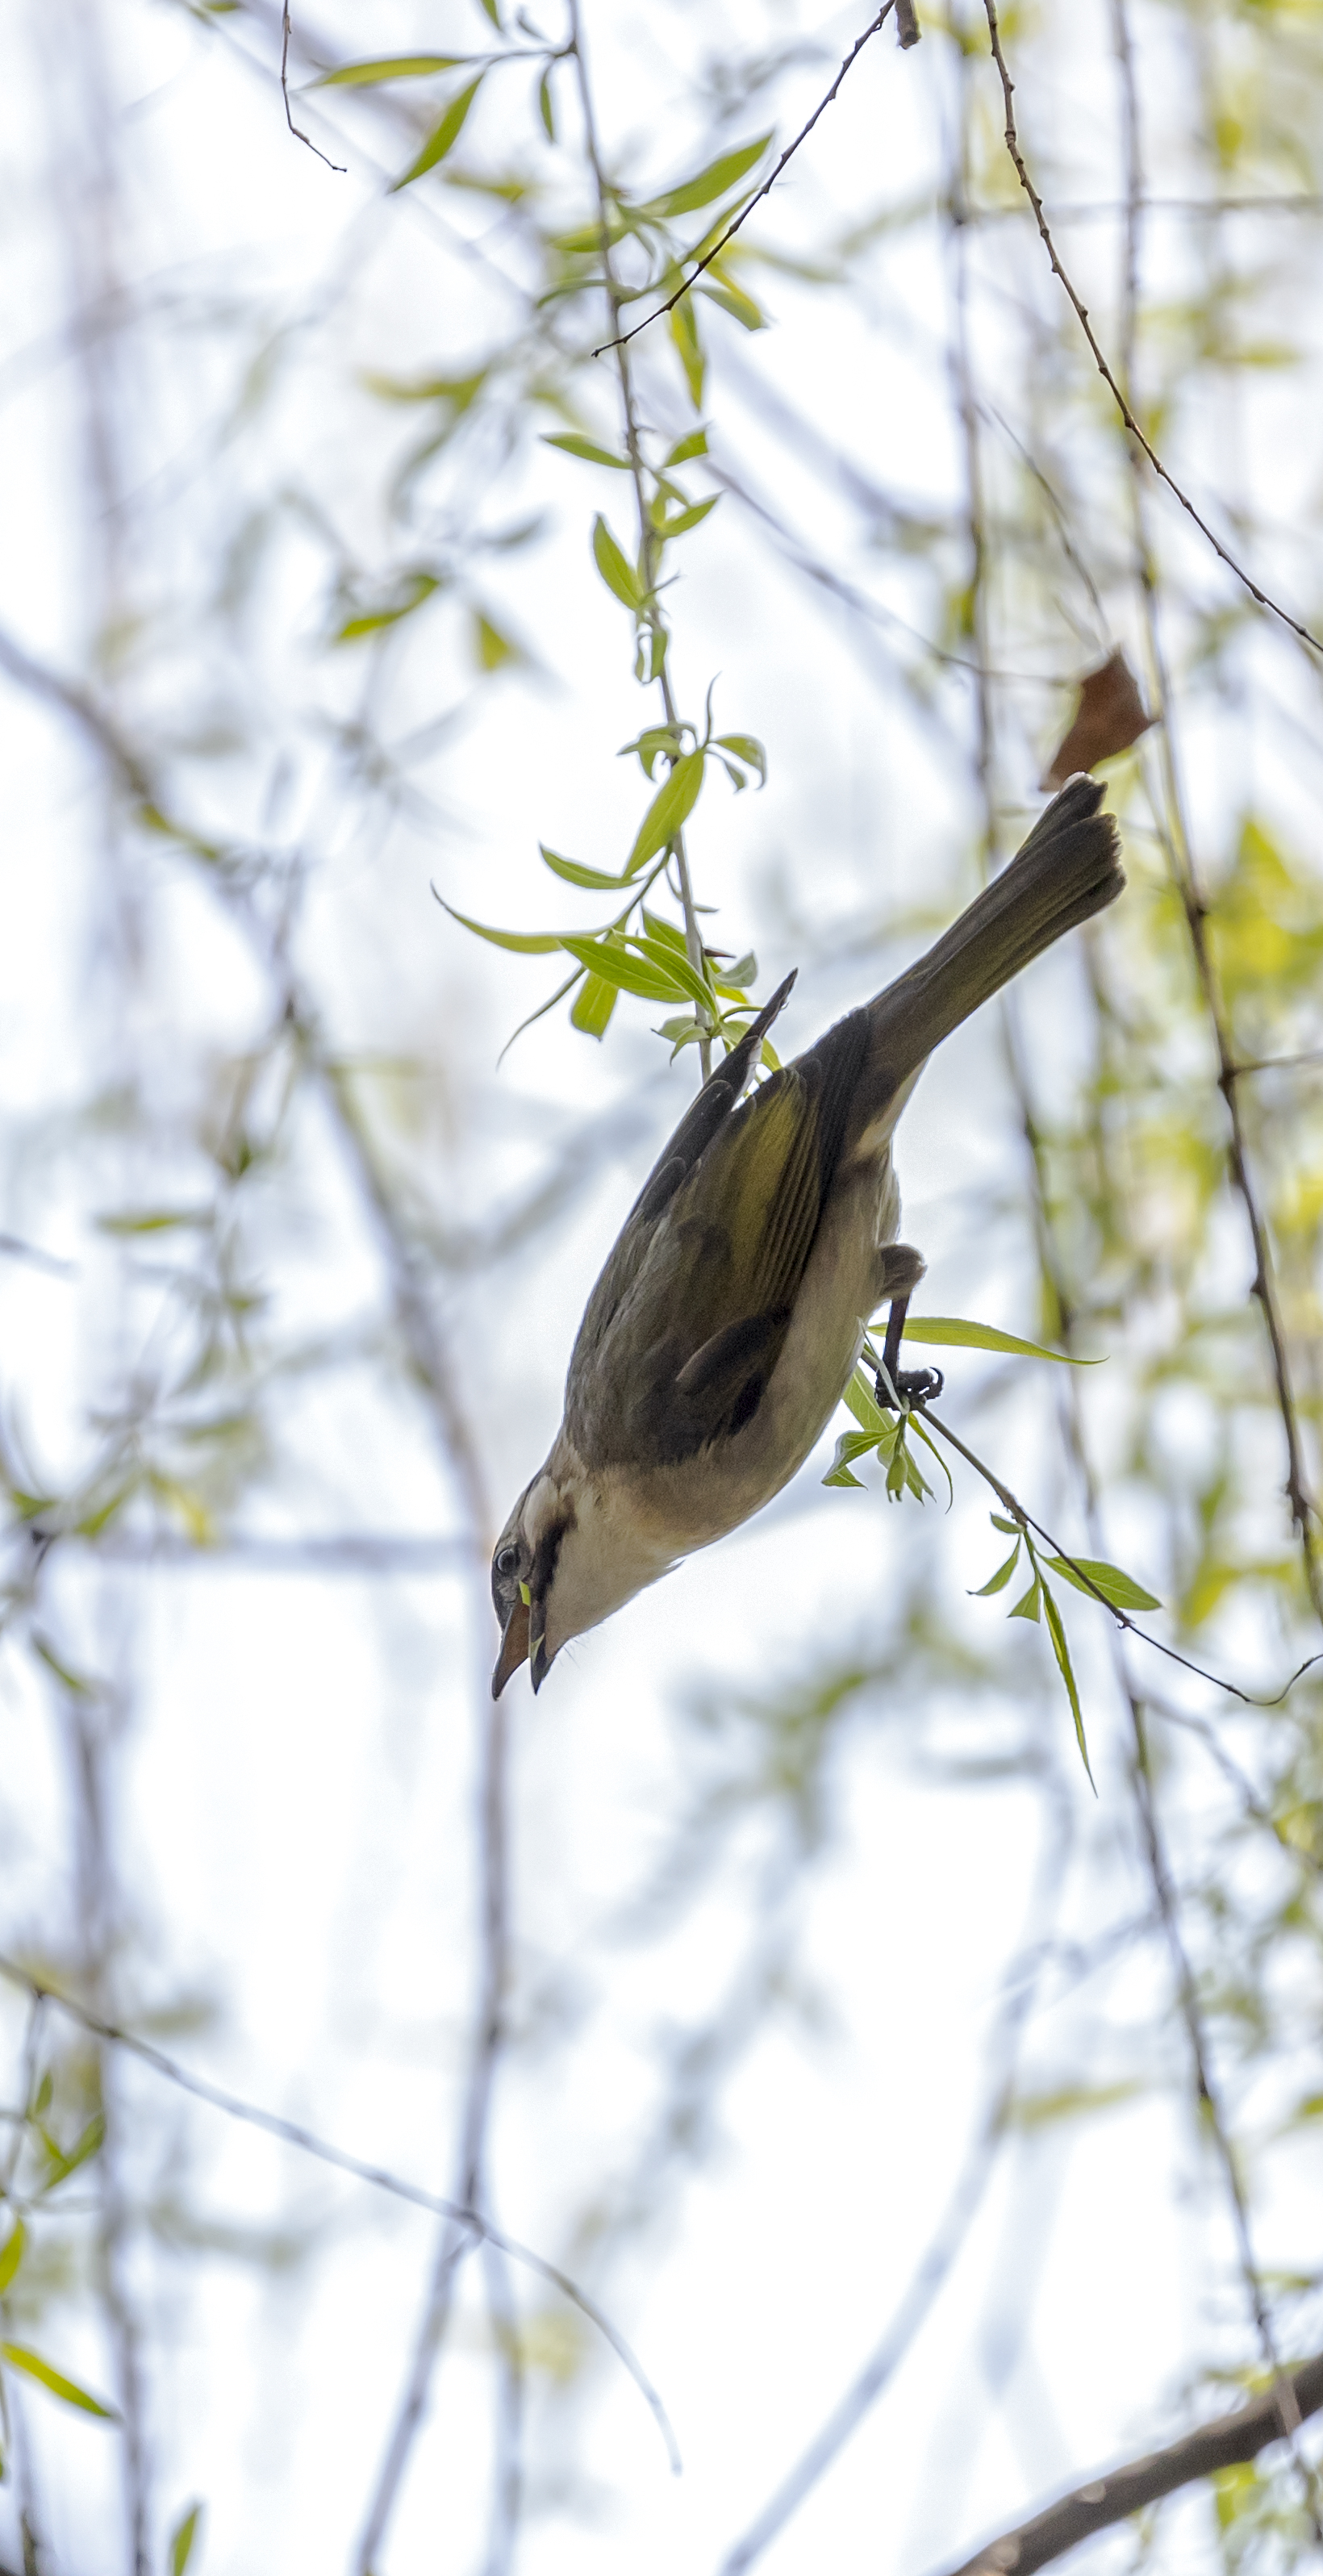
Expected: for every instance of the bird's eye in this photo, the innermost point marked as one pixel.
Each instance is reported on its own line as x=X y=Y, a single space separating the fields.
x=507 y=1558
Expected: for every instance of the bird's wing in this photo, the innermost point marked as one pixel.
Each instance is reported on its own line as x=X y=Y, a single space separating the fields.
x=686 y=1322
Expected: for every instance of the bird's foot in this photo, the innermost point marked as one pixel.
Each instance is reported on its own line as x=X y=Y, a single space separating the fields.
x=910 y=1388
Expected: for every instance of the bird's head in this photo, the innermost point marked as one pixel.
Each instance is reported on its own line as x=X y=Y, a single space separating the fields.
x=570 y=1553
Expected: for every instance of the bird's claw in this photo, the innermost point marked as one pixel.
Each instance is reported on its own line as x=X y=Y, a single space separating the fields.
x=913 y=1387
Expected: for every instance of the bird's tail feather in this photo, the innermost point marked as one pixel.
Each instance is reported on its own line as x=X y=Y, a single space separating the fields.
x=1068 y=869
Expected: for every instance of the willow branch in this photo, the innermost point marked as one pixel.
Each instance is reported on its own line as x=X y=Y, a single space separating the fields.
x=292 y=2133
x=905 y=11
x=1223 y=2444
x=1110 y=379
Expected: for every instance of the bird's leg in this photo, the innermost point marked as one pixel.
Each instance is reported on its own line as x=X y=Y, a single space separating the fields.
x=898 y=1387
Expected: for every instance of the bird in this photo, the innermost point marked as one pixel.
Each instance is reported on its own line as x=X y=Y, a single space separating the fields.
x=732 y=1308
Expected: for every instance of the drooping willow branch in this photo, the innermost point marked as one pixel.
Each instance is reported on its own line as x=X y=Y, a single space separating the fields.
x=1223 y=2444
x=1105 y=370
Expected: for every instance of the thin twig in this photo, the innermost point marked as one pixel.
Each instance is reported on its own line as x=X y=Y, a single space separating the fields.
x=297 y=130
x=1104 y=369
x=939 y=2256
x=623 y=338
x=1018 y=1513
x=1223 y=2444
x=647 y=533
x=1174 y=833
x=292 y=2133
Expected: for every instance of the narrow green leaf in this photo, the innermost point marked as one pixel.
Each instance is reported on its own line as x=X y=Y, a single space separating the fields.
x=182 y=2539
x=1028 y=1604
x=544 y=106
x=708 y=184
x=389 y=67
x=859 y=1397
x=492 y=11
x=31 y=2364
x=670 y=808
x=672 y=961
x=492 y=649
x=615 y=568
x=11 y=2254
x=595 y=879
x=413 y=593
x=525 y=943
x=684 y=520
x=997 y=1582
x=694 y=445
x=684 y=332
x=1011 y=1528
x=849 y=1446
x=571 y=444
x=733 y=300
x=618 y=965
x=61 y=2165
x=596 y=1002
x=954 y=1330
x=442 y=138
x=1061 y=1650
x=1120 y=1589
x=153 y=1220
x=746 y=747
x=668 y=932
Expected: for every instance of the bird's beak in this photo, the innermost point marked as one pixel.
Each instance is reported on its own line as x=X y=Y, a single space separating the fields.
x=514 y=1648
x=539 y=1661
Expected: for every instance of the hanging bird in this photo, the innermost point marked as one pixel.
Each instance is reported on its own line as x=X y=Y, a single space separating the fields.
x=725 y=1326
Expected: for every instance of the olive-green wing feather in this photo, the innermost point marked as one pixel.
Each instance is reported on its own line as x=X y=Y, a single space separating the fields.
x=686 y=1323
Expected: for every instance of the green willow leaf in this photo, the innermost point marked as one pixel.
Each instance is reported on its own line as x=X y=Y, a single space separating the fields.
x=596 y=1002
x=684 y=520
x=1011 y=1528
x=997 y=1582
x=694 y=445
x=182 y=2538
x=390 y=67
x=618 y=965
x=849 y=1445
x=733 y=300
x=708 y=184
x=859 y=1397
x=88 y=2145
x=746 y=747
x=615 y=568
x=1061 y=1650
x=31 y=2364
x=1028 y=1604
x=670 y=960
x=670 y=809
x=571 y=444
x=544 y=106
x=442 y=138
x=1117 y=1587
x=11 y=2254
x=595 y=879
x=954 y=1330
x=525 y=943
x=684 y=332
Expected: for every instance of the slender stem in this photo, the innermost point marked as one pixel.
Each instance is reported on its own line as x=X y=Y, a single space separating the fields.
x=1104 y=369
x=1104 y=2501
x=648 y=540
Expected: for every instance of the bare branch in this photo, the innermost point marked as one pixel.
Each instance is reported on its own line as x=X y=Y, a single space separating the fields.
x=292 y=2133
x=906 y=11
x=1305 y=633
x=1222 y=2444
x=297 y=130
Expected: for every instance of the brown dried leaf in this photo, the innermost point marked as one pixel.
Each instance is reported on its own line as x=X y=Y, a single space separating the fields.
x=1109 y=717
